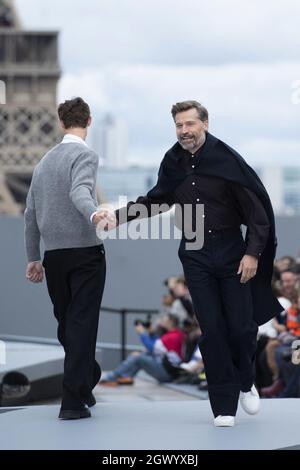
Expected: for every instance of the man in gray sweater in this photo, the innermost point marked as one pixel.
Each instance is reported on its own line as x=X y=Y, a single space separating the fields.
x=62 y=211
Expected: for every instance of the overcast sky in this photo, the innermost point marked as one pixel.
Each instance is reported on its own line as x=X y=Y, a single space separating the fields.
x=135 y=58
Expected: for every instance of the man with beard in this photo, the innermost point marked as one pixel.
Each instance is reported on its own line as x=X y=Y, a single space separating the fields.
x=229 y=278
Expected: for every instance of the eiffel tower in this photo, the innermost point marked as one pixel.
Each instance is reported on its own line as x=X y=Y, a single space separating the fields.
x=29 y=70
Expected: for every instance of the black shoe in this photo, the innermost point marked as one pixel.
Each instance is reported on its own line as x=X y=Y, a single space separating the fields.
x=74 y=414
x=90 y=401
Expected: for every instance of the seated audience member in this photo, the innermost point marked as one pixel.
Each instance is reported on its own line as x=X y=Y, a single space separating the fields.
x=170 y=344
x=283 y=347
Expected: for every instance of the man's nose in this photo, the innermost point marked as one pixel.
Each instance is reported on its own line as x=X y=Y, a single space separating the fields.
x=184 y=129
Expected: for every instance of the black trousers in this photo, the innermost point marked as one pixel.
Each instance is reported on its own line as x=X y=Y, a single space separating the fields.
x=75 y=280
x=224 y=311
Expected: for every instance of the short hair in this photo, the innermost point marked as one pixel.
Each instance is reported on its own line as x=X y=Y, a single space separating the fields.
x=288 y=257
x=187 y=105
x=74 y=113
x=174 y=319
x=289 y=270
x=181 y=280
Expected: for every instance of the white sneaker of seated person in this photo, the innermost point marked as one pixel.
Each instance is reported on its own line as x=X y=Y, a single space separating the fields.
x=225 y=421
x=250 y=401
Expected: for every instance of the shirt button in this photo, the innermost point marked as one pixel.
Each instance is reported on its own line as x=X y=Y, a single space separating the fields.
x=209 y=231
x=198 y=200
x=193 y=156
x=193 y=166
x=203 y=215
x=193 y=183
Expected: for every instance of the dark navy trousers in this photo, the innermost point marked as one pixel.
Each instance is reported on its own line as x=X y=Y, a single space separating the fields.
x=223 y=306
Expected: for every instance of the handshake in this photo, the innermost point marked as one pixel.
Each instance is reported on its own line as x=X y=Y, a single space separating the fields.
x=105 y=219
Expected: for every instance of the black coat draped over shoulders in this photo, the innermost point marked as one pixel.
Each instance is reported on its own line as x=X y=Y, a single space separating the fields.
x=219 y=160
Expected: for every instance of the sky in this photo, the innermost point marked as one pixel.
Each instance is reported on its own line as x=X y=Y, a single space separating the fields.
x=135 y=58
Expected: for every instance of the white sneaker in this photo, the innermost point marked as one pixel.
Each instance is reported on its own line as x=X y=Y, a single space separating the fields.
x=250 y=401
x=224 y=421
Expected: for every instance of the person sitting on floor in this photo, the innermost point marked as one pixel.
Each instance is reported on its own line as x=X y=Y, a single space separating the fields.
x=170 y=344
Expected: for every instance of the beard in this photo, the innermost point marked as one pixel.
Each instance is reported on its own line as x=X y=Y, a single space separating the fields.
x=188 y=143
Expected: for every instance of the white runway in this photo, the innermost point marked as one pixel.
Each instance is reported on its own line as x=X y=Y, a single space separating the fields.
x=184 y=424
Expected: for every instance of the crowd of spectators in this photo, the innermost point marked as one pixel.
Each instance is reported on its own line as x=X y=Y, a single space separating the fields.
x=170 y=351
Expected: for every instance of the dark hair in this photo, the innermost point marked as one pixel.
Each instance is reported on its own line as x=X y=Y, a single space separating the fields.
x=187 y=105
x=74 y=113
x=297 y=268
x=276 y=287
x=288 y=257
x=294 y=295
x=181 y=280
x=173 y=318
x=288 y=270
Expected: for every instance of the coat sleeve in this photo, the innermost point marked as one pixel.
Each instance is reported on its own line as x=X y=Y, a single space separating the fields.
x=255 y=218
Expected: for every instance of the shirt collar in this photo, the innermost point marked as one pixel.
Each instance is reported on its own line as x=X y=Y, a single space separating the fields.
x=71 y=138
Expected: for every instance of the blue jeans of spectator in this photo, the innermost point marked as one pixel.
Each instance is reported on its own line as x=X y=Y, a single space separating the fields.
x=292 y=384
x=279 y=353
x=291 y=389
x=143 y=361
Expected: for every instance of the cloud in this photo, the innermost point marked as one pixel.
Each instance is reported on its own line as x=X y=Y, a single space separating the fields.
x=168 y=32
x=250 y=105
x=135 y=59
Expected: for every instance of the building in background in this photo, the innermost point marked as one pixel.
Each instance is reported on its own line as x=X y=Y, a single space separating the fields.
x=291 y=177
x=110 y=141
x=28 y=127
x=129 y=181
x=272 y=178
x=28 y=121
x=283 y=186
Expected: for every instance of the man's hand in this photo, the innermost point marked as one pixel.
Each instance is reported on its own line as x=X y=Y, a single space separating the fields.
x=35 y=272
x=98 y=216
x=248 y=268
x=105 y=219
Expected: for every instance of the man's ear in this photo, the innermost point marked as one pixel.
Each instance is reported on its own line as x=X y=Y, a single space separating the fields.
x=62 y=124
x=206 y=125
x=89 y=121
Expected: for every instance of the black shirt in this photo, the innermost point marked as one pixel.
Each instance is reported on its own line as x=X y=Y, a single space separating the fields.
x=226 y=204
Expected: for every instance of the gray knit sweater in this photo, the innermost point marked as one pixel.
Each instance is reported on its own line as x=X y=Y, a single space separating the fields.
x=61 y=199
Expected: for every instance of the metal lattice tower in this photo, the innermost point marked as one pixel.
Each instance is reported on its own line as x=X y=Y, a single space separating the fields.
x=28 y=121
